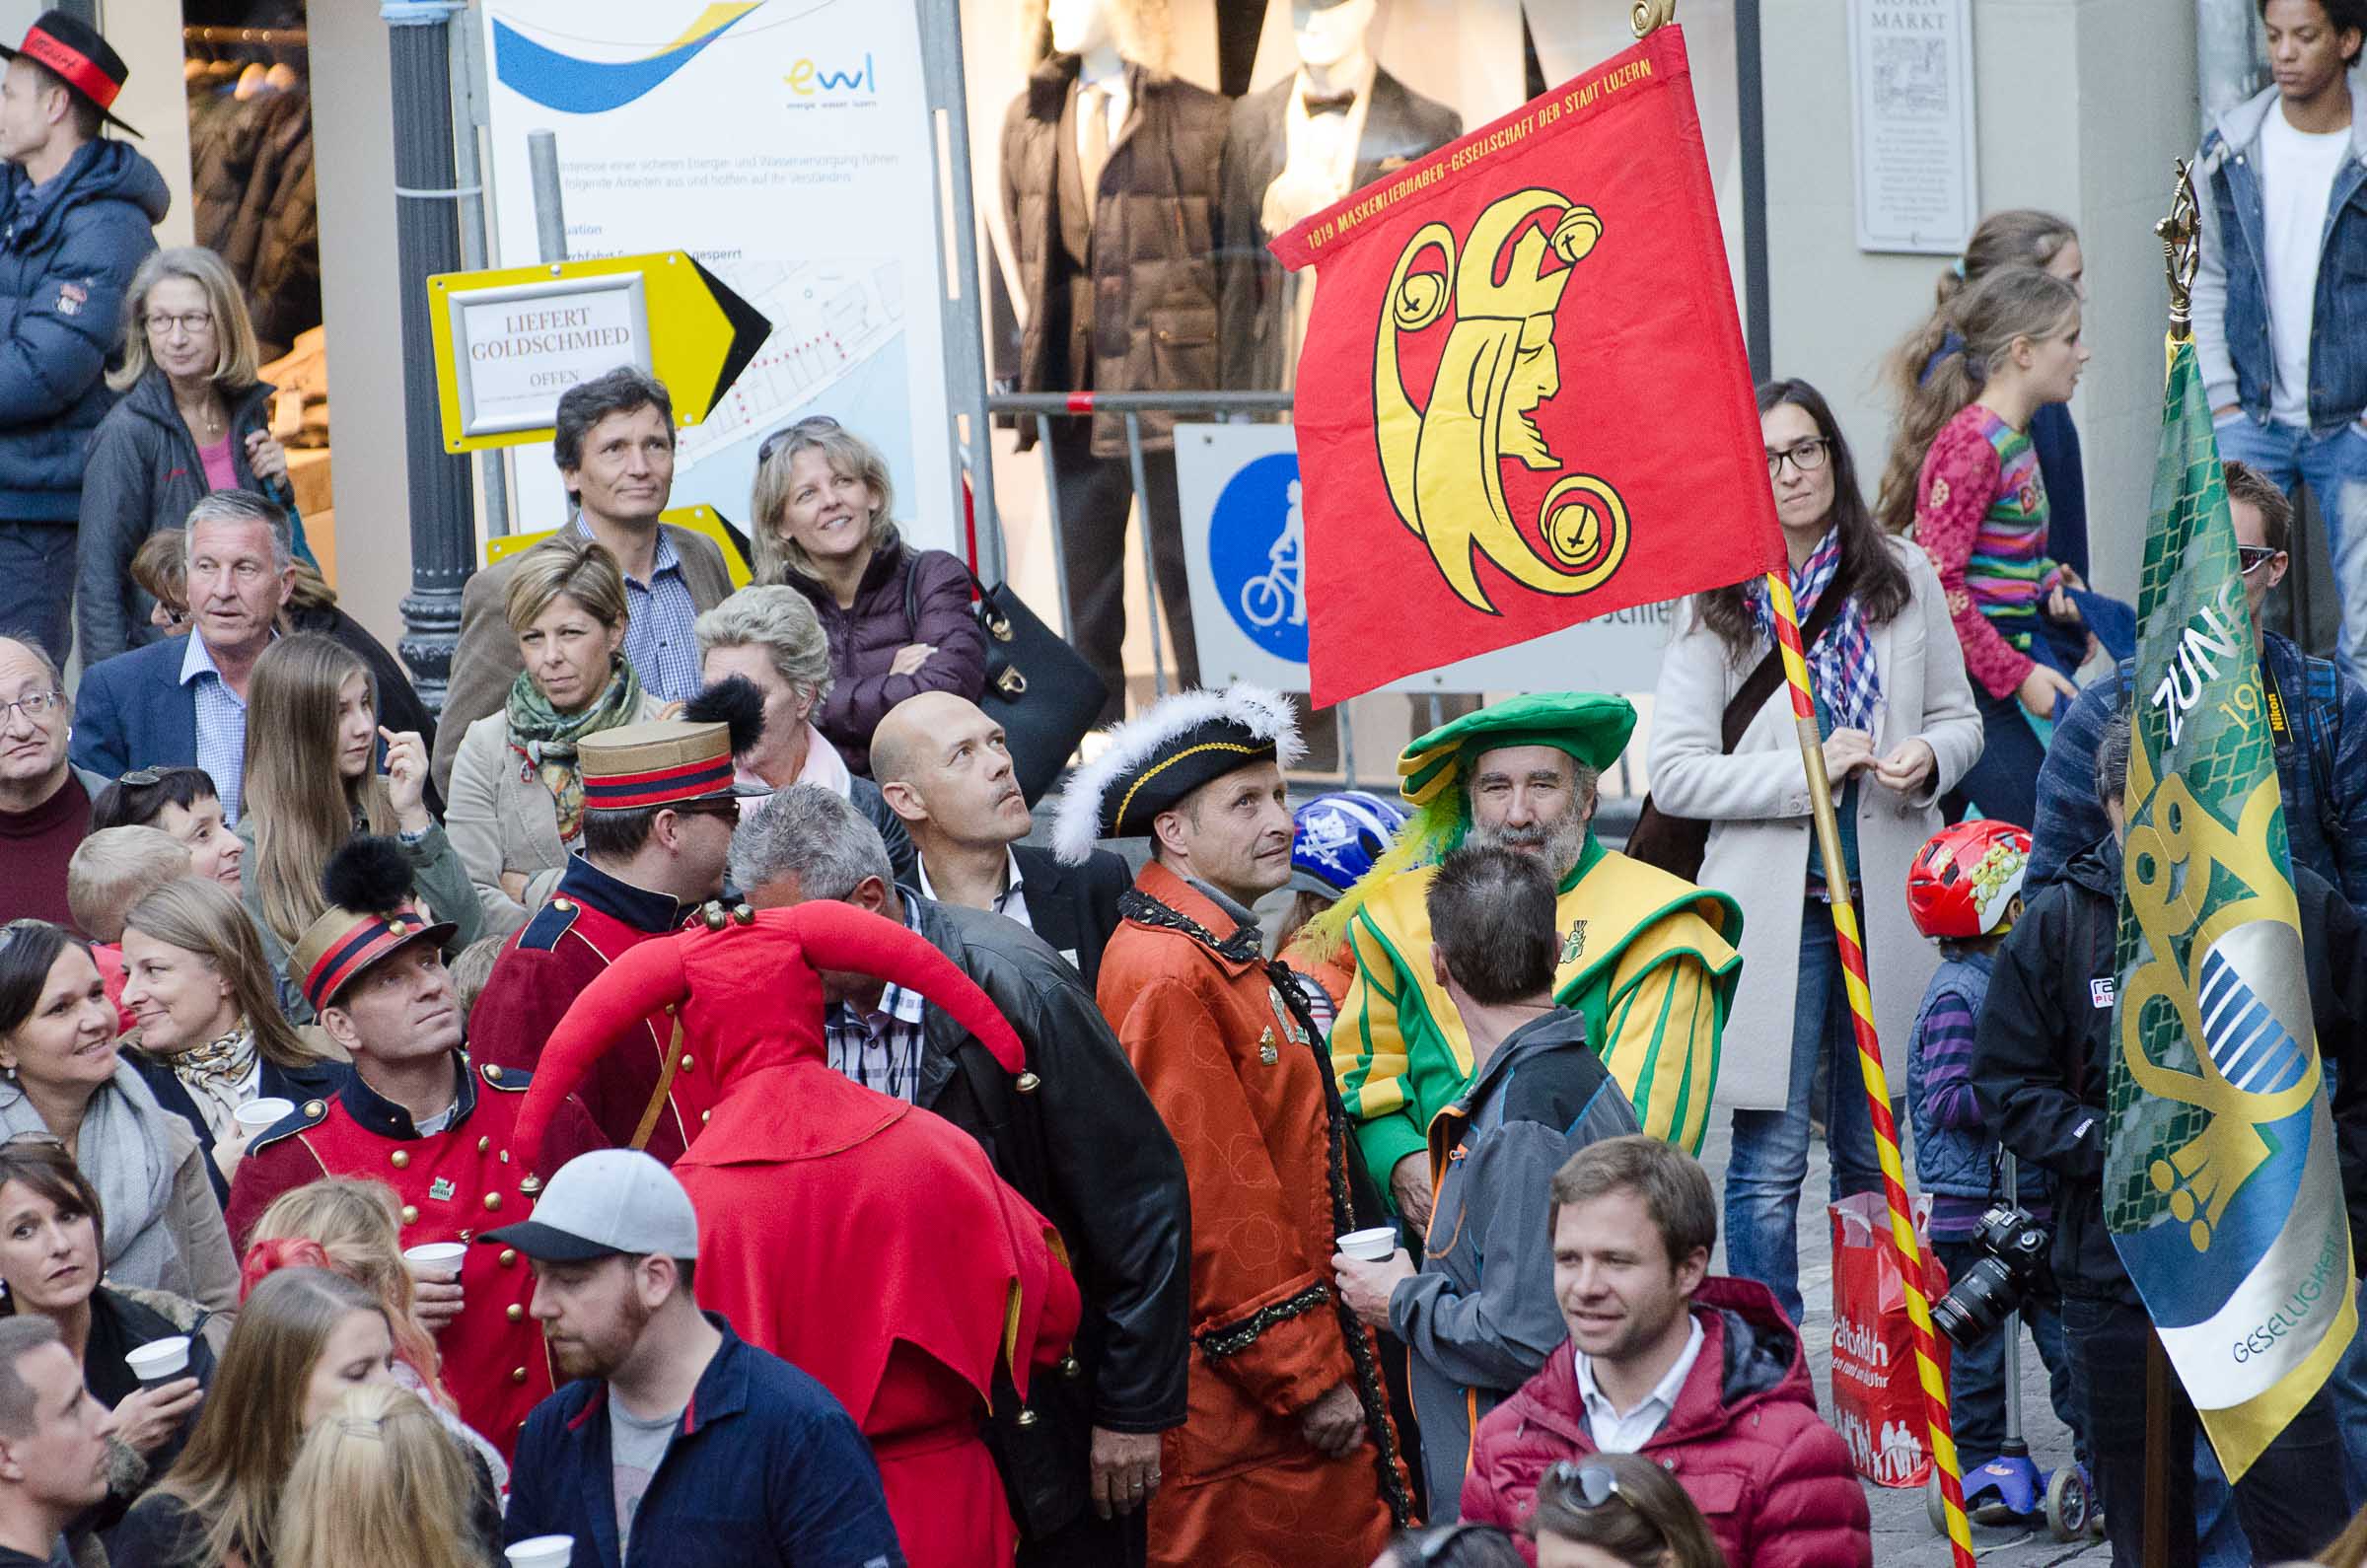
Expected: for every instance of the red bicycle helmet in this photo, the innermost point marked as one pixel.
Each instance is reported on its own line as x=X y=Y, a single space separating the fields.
x=1964 y=880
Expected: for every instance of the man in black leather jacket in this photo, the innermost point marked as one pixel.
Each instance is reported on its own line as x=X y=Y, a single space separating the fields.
x=2042 y=1069
x=1075 y=1134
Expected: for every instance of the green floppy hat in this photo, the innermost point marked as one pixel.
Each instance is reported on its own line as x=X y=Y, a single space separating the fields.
x=1592 y=727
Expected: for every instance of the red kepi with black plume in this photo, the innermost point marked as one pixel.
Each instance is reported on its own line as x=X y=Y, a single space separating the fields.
x=868 y=1242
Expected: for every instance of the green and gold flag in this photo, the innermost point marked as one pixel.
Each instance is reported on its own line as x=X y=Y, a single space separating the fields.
x=2221 y=1189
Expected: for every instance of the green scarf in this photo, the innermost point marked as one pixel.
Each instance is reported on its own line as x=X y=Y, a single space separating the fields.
x=546 y=738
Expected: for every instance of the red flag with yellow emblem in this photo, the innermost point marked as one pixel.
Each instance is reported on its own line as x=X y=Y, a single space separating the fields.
x=1524 y=400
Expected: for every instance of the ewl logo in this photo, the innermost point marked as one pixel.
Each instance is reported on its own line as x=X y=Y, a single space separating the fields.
x=810 y=79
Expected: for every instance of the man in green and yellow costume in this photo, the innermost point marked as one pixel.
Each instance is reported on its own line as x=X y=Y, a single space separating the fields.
x=1648 y=958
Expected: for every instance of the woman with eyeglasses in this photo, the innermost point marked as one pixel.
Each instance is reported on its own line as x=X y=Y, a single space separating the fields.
x=313 y=782
x=1898 y=728
x=517 y=801
x=1981 y=515
x=898 y=619
x=194 y=418
x=64 y=1080
x=52 y=1226
x=209 y=1038
x=1619 y=1511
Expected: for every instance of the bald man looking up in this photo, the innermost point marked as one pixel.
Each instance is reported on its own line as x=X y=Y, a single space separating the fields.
x=942 y=762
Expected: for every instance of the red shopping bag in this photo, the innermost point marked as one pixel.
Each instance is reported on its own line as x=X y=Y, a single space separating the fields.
x=1877 y=1397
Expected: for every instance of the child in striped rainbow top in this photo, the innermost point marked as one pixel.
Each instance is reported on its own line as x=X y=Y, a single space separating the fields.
x=1980 y=515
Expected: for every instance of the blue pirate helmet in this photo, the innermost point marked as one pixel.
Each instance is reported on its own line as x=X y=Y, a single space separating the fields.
x=1338 y=836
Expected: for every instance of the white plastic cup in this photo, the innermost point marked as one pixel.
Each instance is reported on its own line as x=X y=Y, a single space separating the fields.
x=256 y=1114
x=432 y=1261
x=543 y=1551
x=1371 y=1245
x=160 y=1361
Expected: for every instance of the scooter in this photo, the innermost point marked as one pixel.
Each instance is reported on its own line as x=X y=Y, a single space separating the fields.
x=2011 y=1489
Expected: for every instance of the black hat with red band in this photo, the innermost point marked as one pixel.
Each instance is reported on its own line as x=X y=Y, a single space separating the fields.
x=369 y=919
x=72 y=49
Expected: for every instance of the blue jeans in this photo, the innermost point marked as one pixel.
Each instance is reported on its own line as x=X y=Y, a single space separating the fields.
x=2335 y=467
x=1769 y=1162
x=37 y=584
x=1977 y=1392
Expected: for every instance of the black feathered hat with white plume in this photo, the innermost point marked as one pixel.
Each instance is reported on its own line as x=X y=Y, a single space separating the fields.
x=371 y=914
x=1184 y=741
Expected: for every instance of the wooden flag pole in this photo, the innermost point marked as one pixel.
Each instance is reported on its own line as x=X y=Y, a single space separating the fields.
x=1869 y=1061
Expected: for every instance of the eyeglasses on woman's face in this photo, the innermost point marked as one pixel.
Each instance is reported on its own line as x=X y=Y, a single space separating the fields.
x=164 y=323
x=1805 y=457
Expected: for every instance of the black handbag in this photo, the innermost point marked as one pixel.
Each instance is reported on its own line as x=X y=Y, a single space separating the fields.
x=1038 y=689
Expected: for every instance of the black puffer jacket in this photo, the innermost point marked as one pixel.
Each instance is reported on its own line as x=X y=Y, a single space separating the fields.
x=2042 y=1060
x=1087 y=1148
x=67 y=252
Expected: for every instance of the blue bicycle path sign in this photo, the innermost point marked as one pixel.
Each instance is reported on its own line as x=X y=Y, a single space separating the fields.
x=1258 y=554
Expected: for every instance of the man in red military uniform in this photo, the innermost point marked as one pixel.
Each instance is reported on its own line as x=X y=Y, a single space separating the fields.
x=658 y=808
x=419 y=1116
x=1289 y=1458
x=864 y=1240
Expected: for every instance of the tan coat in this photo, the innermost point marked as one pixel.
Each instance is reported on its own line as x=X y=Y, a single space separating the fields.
x=1762 y=835
x=502 y=819
x=486 y=660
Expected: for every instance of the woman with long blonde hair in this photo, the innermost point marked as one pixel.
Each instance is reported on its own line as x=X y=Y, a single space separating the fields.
x=305 y=1338
x=379 y=1480
x=210 y=1036
x=311 y=782
x=352 y=1226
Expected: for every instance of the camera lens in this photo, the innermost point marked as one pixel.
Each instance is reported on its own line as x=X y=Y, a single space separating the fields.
x=1977 y=1302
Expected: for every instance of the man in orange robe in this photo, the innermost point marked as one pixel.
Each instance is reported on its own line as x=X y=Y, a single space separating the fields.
x=1288 y=1456
x=868 y=1243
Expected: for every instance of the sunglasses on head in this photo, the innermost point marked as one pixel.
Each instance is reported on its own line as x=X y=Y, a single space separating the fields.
x=142 y=777
x=1584 y=1483
x=810 y=425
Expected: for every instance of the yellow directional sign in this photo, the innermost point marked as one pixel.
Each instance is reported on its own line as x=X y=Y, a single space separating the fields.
x=701 y=519
x=511 y=340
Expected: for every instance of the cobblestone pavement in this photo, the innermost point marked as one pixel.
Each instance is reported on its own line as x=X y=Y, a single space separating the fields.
x=1902 y=1532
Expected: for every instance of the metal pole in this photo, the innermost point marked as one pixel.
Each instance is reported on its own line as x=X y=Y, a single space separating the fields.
x=1750 y=104
x=1052 y=507
x=964 y=328
x=1150 y=556
x=467 y=88
x=427 y=241
x=550 y=204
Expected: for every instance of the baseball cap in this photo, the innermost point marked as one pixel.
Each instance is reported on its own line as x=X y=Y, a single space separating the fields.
x=608 y=1203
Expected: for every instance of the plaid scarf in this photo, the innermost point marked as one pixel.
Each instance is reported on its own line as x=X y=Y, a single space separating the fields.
x=544 y=739
x=1840 y=667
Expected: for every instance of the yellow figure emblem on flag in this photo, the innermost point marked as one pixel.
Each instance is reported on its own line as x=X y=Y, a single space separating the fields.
x=1444 y=462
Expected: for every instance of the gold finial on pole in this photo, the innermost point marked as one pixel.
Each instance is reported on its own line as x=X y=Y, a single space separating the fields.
x=1649 y=14
x=2181 y=251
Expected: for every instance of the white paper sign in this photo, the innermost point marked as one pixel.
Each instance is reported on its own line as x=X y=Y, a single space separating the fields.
x=1244 y=540
x=517 y=350
x=1910 y=69
x=784 y=143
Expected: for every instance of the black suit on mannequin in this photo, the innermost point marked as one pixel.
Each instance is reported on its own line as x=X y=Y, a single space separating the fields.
x=1400 y=126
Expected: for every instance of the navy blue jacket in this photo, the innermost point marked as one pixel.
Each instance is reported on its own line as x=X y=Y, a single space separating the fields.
x=317 y=1081
x=67 y=252
x=2321 y=768
x=132 y=711
x=767 y=1471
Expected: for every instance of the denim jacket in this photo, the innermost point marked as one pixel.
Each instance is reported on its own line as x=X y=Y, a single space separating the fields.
x=2231 y=291
x=2321 y=767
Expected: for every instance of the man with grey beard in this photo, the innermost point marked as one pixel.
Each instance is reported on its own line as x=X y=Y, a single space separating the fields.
x=1646 y=958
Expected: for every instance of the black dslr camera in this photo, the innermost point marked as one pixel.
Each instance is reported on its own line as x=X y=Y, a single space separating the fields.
x=2015 y=1264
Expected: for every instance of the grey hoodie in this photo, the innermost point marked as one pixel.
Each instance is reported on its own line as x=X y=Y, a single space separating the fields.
x=1480 y=1318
